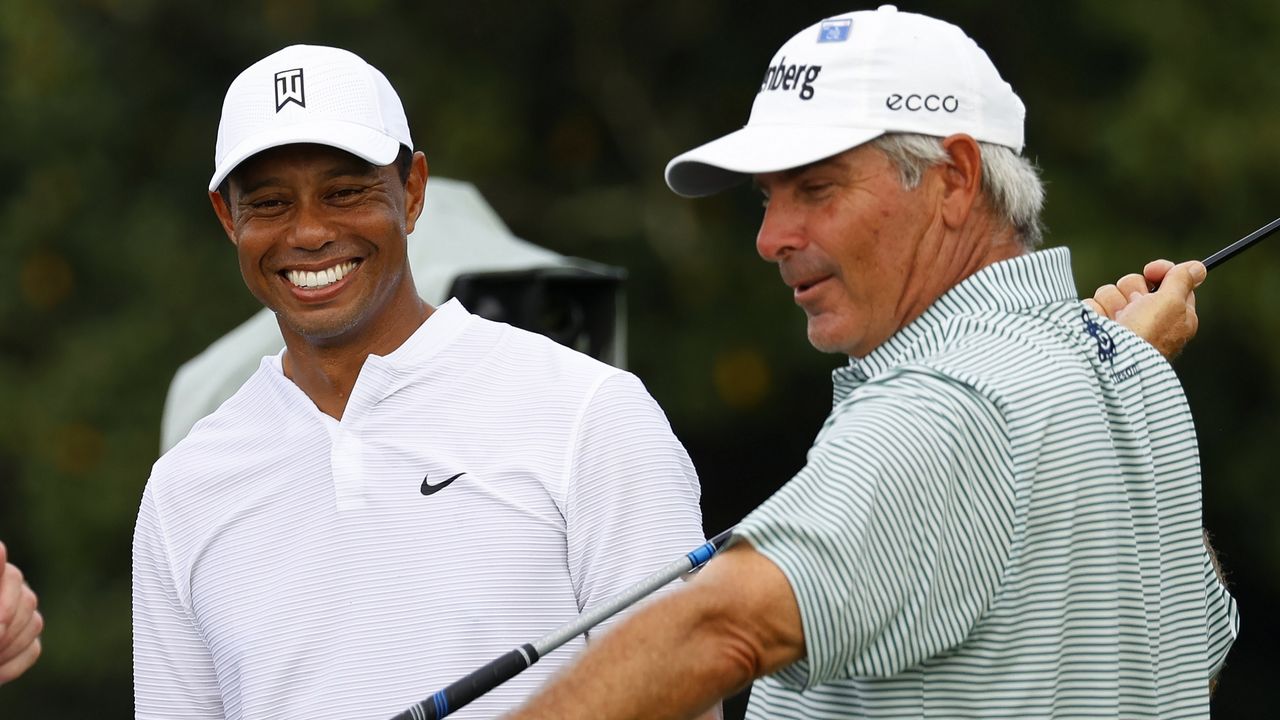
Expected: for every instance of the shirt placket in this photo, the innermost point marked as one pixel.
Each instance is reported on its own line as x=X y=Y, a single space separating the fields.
x=346 y=455
x=346 y=460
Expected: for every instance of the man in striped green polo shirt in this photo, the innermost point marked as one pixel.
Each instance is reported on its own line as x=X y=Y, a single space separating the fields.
x=1001 y=515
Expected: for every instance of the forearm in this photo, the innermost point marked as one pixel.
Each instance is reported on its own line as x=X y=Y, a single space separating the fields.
x=678 y=656
x=651 y=667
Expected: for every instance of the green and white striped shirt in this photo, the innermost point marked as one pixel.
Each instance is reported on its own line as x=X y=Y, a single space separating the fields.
x=1000 y=518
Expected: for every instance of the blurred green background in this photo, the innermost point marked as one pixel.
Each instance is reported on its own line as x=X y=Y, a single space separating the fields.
x=1157 y=126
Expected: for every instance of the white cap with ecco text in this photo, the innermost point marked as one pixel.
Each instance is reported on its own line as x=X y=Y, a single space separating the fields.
x=310 y=94
x=849 y=79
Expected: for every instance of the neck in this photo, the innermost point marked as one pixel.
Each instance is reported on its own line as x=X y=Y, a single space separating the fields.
x=327 y=369
x=957 y=255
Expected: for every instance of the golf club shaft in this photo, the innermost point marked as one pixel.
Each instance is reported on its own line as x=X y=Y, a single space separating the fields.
x=1241 y=245
x=510 y=664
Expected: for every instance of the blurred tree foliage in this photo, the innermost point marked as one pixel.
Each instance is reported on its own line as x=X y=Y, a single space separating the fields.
x=1155 y=125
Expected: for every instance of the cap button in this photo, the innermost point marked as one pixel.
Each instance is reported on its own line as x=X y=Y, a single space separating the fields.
x=887 y=8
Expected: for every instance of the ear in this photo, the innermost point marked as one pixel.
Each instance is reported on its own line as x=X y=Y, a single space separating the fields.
x=224 y=214
x=415 y=191
x=961 y=178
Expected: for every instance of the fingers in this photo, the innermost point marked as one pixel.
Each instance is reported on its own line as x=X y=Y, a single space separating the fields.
x=11 y=586
x=1094 y=306
x=20 y=624
x=18 y=665
x=1180 y=280
x=1108 y=300
x=23 y=632
x=1155 y=271
x=1132 y=283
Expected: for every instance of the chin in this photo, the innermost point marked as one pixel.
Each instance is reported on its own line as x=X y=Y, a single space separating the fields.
x=828 y=335
x=825 y=342
x=319 y=329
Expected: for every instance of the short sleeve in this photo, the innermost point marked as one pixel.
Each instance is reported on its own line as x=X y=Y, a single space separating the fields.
x=896 y=533
x=632 y=501
x=173 y=673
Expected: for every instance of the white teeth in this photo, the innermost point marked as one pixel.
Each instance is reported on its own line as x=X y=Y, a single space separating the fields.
x=313 y=280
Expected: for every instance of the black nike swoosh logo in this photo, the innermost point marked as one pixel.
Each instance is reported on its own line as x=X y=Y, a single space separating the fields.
x=429 y=489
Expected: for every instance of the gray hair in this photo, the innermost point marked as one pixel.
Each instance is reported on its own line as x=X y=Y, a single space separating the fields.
x=1009 y=181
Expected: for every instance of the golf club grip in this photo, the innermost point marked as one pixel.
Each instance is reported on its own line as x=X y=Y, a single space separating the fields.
x=457 y=695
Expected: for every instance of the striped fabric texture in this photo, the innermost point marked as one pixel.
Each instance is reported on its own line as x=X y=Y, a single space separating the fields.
x=1000 y=518
x=287 y=565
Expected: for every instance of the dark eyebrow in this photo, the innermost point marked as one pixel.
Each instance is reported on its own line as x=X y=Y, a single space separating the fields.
x=349 y=166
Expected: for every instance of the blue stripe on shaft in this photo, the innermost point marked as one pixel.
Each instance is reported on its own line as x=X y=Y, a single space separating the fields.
x=442 y=704
x=702 y=554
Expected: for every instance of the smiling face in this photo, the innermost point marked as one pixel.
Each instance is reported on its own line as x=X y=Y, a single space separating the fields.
x=321 y=240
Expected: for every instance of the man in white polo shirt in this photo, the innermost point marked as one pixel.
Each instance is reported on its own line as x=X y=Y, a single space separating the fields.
x=1001 y=515
x=404 y=492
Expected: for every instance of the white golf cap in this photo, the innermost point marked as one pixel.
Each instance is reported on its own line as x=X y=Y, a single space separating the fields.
x=849 y=79
x=310 y=94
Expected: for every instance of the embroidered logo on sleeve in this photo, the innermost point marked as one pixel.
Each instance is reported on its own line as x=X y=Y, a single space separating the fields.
x=1107 y=349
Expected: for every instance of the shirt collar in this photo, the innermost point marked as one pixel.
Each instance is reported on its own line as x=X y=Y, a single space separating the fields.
x=444 y=324
x=433 y=335
x=1011 y=285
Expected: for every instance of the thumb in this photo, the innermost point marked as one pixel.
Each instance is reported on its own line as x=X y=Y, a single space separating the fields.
x=1183 y=278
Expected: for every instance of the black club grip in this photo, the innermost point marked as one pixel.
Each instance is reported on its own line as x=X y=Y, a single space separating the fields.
x=484 y=679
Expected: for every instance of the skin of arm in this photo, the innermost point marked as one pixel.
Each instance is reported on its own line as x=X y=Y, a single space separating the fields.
x=677 y=656
x=1165 y=317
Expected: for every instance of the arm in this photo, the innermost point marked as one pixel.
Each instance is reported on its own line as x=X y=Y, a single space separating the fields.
x=173 y=673
x=1165 y=317
x=736 y=620
x=20 y=622
x=834 y=583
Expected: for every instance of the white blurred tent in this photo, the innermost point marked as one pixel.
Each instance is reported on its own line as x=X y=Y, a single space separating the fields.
x=460 y=248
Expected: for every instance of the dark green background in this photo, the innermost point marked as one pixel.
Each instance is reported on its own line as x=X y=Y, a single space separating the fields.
x=1156 y=126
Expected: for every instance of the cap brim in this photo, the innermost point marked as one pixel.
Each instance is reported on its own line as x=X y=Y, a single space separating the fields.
x=727 y=161
x=359 y=140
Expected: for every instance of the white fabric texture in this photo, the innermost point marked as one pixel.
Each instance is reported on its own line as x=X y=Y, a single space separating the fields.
x=287 y=565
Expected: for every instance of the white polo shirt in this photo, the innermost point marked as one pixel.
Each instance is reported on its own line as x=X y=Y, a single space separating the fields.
x=999 y=519
x=483 y=486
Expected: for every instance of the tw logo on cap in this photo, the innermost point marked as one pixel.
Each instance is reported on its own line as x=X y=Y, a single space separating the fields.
x=289 y=89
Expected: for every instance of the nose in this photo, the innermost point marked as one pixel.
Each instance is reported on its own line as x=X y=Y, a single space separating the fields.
x=780 y=232
x=311 y=229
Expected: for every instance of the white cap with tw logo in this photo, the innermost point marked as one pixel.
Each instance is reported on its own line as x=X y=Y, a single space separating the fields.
x=850 y=79
x=310 y=94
